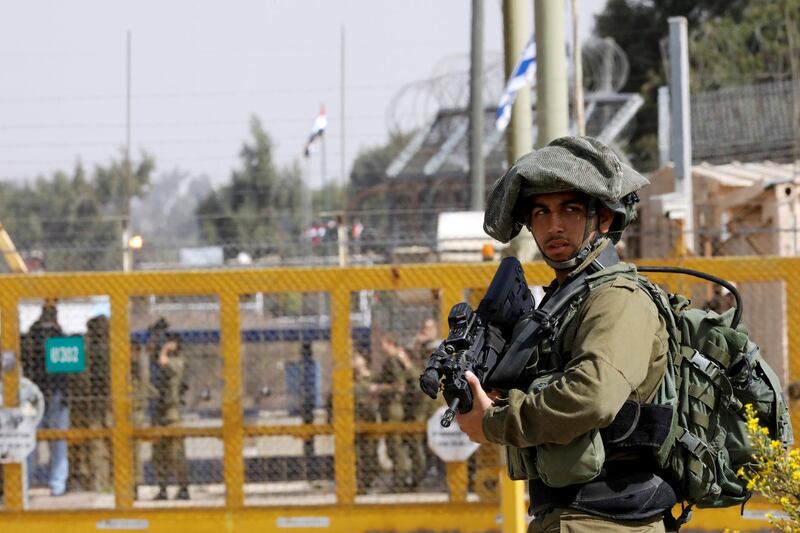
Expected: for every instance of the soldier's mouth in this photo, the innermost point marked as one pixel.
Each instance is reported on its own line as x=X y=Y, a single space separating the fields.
x=557 y=245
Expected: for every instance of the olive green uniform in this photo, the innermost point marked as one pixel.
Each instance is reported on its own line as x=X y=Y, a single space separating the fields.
x=366 y=445
x=90 y=407
x=169 y=453
x=405 y=450
x=612 y=349
x=423 y=408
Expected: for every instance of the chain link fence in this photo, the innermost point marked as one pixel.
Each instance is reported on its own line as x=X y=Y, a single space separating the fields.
x=276 y=388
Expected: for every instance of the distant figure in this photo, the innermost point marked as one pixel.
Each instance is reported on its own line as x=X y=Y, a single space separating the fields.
x=308 y=394
x=169 y=453
x=721 y=301
x=398 y=389
x=366 y=445
x=422 y=407
x=90 y=402
x=54 y=389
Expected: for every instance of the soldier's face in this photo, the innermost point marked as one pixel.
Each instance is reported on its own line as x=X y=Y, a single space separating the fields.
x=558 y=223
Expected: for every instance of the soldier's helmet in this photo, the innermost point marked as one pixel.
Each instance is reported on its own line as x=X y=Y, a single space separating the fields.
x=570 y=163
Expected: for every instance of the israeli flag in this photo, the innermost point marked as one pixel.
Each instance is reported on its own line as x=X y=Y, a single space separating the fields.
x=524 y=74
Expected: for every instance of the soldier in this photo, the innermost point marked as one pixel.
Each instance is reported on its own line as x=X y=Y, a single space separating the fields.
x=425 y=343
x=576 y=198
x=54 y=389
x=143 y=393
x=169 y=454
x=92 y=459
x=366 y=445
x=308 y=400
x=397 y=385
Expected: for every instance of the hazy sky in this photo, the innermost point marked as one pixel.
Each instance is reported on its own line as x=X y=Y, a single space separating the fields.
x=200 y=69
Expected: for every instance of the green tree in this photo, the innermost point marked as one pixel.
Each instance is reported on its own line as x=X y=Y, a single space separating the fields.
x=115 y=189
x=369 y=167
x=640 y=28
x=258 y=211
x=756 y=48
x=72 y=219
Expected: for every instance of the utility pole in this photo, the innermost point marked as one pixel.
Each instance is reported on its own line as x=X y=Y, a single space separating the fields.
x=516 y=32
x=476 y=109
x=680 y=122
x=127 y=253
x=342 y=103
x=552 y=110
x=577 y=58
x=519 y=136
x=663 y=126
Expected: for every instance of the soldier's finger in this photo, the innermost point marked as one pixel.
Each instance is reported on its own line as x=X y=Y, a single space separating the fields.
x=474 y=383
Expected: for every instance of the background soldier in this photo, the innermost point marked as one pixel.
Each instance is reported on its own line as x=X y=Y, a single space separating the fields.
x=308 y=400
x=54 y=389
x=422 y=408
x=143 y=393
x=91 y=408
x=397 y=385
x=366 y=445
x=169 y=454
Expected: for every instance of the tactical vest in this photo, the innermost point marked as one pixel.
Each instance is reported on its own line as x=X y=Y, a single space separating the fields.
x=580 y=461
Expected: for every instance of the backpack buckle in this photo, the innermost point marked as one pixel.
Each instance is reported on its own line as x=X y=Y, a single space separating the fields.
x=706 y=365
x=543 y=318
x=693 y=444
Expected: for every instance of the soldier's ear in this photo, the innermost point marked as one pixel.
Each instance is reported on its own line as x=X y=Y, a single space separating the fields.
x=605 y=217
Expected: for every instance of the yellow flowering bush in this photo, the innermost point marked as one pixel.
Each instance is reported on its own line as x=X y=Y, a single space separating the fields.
x=775 y=474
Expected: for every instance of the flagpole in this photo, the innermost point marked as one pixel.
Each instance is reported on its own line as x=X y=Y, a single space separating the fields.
x=323 y=178
x=342 y=156
x=306 y=219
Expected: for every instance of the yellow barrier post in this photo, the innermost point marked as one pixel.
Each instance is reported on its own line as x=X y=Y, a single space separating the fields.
x=9 y=326
x=122 y=434
x=343 y=404
x=793 y=341
x=457 y=473
x=512 y=500
x=232 y=416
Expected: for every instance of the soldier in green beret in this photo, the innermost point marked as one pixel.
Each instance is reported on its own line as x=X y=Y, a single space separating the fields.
x=576 y=197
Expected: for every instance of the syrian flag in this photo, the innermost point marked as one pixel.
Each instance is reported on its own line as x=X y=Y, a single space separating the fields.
x=524 y=74
x=318 y=130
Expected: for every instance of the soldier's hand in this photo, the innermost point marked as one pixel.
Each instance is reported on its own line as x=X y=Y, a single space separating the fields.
x=166 y=349
x=471 y=423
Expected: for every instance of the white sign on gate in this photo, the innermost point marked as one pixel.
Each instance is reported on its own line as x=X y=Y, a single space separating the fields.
x=18 y=424
x=449 y=443
x=17 y=435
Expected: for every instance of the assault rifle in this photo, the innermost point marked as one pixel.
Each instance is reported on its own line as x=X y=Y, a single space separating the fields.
x=479 y=341
x=476 y=339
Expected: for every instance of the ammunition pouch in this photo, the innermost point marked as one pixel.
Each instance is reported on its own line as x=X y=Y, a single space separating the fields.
x=633 y=438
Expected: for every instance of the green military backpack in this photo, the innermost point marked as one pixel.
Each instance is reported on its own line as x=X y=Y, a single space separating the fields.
x=714 y=370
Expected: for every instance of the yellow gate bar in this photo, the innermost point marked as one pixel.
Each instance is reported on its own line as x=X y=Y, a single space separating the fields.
x=122 y=435
x=9 y=331
x=342 y=391
x=230 y=346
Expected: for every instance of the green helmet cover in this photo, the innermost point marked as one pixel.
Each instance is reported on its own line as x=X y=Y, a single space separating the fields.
x=580 y=164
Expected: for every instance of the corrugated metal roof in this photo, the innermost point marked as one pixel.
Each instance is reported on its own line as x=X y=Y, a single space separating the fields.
x=737 y=174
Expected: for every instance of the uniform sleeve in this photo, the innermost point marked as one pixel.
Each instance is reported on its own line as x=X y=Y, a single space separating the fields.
x=174 y=367
x=610 y=358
